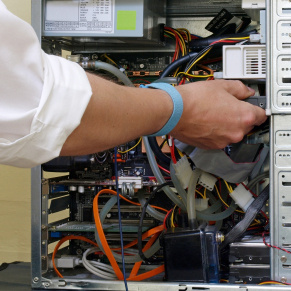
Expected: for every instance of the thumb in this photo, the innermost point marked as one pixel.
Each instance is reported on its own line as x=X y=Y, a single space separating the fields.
x=261 y=116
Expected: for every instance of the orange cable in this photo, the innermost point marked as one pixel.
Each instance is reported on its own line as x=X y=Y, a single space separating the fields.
x=138 y=204
x=144 y=236
x=107 y=248
x=149 y=274
x=70 y=237
x=137 y=265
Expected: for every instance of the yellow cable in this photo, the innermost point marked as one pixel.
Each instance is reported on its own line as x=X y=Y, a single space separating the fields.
x=228 y=187
x=187 y=32
x=172 y=217
x=223 y=200
x=180 y=153
x=199 y=59
x=131 y=148
x=182 y=41
x=235 y=38
x=176 y=72
x=204 y=197
x=108 y=58
x=195 y=76
x=270 y=283
x=200 y=193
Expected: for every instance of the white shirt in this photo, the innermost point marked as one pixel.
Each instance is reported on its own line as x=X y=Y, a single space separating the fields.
x=42 y=97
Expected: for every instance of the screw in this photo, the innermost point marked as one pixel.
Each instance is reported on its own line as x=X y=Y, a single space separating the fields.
x=219 y=237
x=46 y=284
x=250 y=258
x=43 y=258
x=283 y=259
x=43 y=227
x=283 y=280
x=36 y=279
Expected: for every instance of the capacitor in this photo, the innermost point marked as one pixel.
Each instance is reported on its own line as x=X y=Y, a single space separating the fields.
x=81 y=189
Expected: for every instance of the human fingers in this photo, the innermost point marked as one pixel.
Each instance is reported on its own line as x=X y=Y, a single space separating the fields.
x=251 y=116
x=237 y=89
x=260 y=115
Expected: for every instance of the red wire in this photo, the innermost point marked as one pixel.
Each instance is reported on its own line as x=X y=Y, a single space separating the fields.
x=182 y=81
x=229 y=41
x=165 y=170
x=176 y=35
x=173 y=152
x=143 y=80
x=274 y=247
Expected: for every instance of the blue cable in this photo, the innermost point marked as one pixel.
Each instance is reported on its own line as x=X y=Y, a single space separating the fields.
x=119 y=219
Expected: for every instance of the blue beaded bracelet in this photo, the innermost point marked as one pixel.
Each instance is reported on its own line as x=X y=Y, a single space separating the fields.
x=178 y=106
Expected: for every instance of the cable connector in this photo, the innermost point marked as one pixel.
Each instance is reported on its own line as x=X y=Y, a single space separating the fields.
x=66 y=262
x=255 y=37
x=201 y=204
x=207 y=180
x=183 y=171
x=242 y=197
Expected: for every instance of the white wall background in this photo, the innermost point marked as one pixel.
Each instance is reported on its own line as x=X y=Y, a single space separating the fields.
x=15 y=188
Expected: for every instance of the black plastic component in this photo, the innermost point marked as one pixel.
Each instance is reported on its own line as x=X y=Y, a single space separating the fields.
x=248 y=274
x=67 y=164
x=217 y=24
x=245 y=153
x=227 y=29
x=183 y=220
x=88 y=214
x=257 y=101
x=246 y=22
x=249 y=251
x=191 y=255
x=162 y=30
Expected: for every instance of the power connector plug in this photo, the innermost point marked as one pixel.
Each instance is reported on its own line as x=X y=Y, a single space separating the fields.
x=183 y=171
x=207 y=180
x=201 y=204
x=242 y=197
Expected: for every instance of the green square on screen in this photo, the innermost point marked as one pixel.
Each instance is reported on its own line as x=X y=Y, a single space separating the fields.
x=126 y=20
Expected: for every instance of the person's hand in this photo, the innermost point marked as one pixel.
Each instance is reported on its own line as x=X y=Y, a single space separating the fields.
x=214 y=115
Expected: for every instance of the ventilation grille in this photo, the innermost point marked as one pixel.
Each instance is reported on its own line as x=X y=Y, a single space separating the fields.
x=255 y=61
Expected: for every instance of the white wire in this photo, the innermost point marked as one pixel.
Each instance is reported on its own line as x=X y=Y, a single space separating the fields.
x=102 y=266
x=95 y=267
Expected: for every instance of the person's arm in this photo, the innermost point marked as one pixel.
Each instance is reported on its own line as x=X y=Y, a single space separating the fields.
x=213 y=115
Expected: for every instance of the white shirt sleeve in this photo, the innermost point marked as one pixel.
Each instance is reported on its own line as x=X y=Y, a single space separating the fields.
x=42 y=97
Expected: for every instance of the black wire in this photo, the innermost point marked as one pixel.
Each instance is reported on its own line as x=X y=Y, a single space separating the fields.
x=139 y=234
x=119 y=219
x=158 y=152
x=176 y=64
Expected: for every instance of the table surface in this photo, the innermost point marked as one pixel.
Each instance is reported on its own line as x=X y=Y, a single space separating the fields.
x=16 y=277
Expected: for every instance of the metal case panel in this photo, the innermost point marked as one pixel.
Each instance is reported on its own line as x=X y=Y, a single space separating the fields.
x=147 y=15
